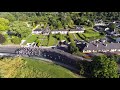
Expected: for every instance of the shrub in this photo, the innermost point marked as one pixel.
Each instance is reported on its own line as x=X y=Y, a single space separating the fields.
x=16 y=40
x=2 y=39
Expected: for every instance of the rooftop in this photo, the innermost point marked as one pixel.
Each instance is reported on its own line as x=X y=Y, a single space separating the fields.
x=38 y=29
x=102 y=46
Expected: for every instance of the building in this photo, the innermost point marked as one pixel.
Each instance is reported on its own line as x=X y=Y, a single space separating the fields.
x=37 y=31
x=99 y=23
x=59 y=31
x=101 y=47
x=77 y=29
x=100 y=28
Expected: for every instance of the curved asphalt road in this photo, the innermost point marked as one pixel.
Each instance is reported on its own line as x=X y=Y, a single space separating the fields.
x=57 y=56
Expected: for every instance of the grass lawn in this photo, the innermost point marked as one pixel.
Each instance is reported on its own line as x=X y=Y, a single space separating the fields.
x=90 y=34
x=43 y=40
x=31 y=68
x=64 y=37
x=77 y=36
x=81 y=36
x=52 y=41
x=72 y=36
x=42 y=36
x=32 y=38
x=44 y=43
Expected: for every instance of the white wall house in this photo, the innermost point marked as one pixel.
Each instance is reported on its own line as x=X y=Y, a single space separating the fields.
x=61 y=32
x=76 y=31
x=100 y=24
x=36 y=32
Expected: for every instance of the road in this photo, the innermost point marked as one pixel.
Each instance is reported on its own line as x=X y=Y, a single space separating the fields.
x=58 y=56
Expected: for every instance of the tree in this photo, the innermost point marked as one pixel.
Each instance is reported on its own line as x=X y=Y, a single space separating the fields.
x=16 y=40
x=4 y=24
x=21 y=28
x=104 y=67
x=38 y=42
x=59 y=25
x=72 y=48
x=112 y=26
x=8 y=16
x=2 y=39
x=90 y=24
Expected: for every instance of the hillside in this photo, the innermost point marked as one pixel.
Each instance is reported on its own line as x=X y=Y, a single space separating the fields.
x=30 y=68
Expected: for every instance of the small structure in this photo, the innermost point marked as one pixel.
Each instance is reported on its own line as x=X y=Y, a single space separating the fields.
x=99 y=23
x=77 y=29
x=37 y=31
x=22 y=42
x=30 y=44
x=59 y=31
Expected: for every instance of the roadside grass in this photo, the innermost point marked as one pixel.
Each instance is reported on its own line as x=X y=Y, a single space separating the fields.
x=18 y=67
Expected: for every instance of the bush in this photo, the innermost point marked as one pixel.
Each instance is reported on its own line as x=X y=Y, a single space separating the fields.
x=2 y=39
x=104 y=67
x=16 y=40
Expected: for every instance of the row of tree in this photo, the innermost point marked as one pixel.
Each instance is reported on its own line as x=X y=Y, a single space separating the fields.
x=59 y=20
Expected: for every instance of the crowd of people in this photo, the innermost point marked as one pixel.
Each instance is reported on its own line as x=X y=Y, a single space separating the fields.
x=29 y=51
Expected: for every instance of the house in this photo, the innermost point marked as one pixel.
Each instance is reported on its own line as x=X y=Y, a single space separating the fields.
x=101 y=47
x=77 y=29
x=59 y=31
x=37 y=31
x=100 y=28
x=99 y=23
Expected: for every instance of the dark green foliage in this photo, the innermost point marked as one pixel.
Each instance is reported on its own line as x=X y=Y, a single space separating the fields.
x=72 y=47
x=16 y=40
x=2 y=39
x=20 y=28
x=4 y=24
x=60 y=20
x=104 y=67
x=112 y=26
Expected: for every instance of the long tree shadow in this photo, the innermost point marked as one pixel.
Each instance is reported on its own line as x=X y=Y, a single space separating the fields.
x=64 y=59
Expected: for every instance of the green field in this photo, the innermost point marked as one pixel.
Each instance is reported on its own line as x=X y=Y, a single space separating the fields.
x=31 y=68
x=64 y=37
x=77 y=36
x=43 y=40
x=90 y=34
x=52 y=41
x=33 y=38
